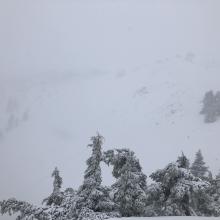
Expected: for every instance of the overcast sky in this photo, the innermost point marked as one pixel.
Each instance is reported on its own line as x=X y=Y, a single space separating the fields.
x=134 y=70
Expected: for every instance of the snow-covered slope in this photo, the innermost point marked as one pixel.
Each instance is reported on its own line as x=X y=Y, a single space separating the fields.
x=167 y=218
x=153 y=109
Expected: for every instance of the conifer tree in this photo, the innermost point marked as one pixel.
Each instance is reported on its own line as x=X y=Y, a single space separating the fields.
x=24 y=210
x=208 y=202
x=175 y=189
x=198 y=167
x=210 y=176
x=57 y=196
x=130 y=187
x=92 y=194
x=27 y=211
x=214 y=193
x=208 y=107
x=183 y=161
x=89 y=191
x=211 y=106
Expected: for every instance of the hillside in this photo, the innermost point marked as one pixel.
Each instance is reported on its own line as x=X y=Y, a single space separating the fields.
x=153 y=109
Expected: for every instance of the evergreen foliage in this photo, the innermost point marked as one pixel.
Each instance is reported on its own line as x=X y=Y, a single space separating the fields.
x=24 y=210
x=177 y=190
x=198 y=167
x=183 y=161
x=57 y=196
x=129 y=189
x=92 y=194
x=211 y=106
x=213 y=194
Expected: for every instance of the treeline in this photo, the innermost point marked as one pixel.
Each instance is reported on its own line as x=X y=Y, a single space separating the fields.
x=179 y=189
x=211 y=106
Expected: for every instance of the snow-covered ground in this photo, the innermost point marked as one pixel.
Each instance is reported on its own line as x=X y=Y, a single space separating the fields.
x=166 y=218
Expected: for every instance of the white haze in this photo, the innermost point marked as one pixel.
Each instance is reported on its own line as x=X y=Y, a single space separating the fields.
x=136 y=71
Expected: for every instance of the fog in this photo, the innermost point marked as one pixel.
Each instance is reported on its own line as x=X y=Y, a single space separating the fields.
x=136 y=71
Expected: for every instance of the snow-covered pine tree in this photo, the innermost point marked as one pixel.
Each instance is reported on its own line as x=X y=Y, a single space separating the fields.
x=59 y=205
x=25 y=210
x=205 y=205
x=66 y=210
x=218 y=175
x=211 y=106
x=156 y=191
x=213 y=196
x=175 y=188
x=92 y=194
x=155 y=200
x=198 y=167
x=210 y=176
x=183 y=161
x=208 y=107
x=130 y=187
x=57 y=196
